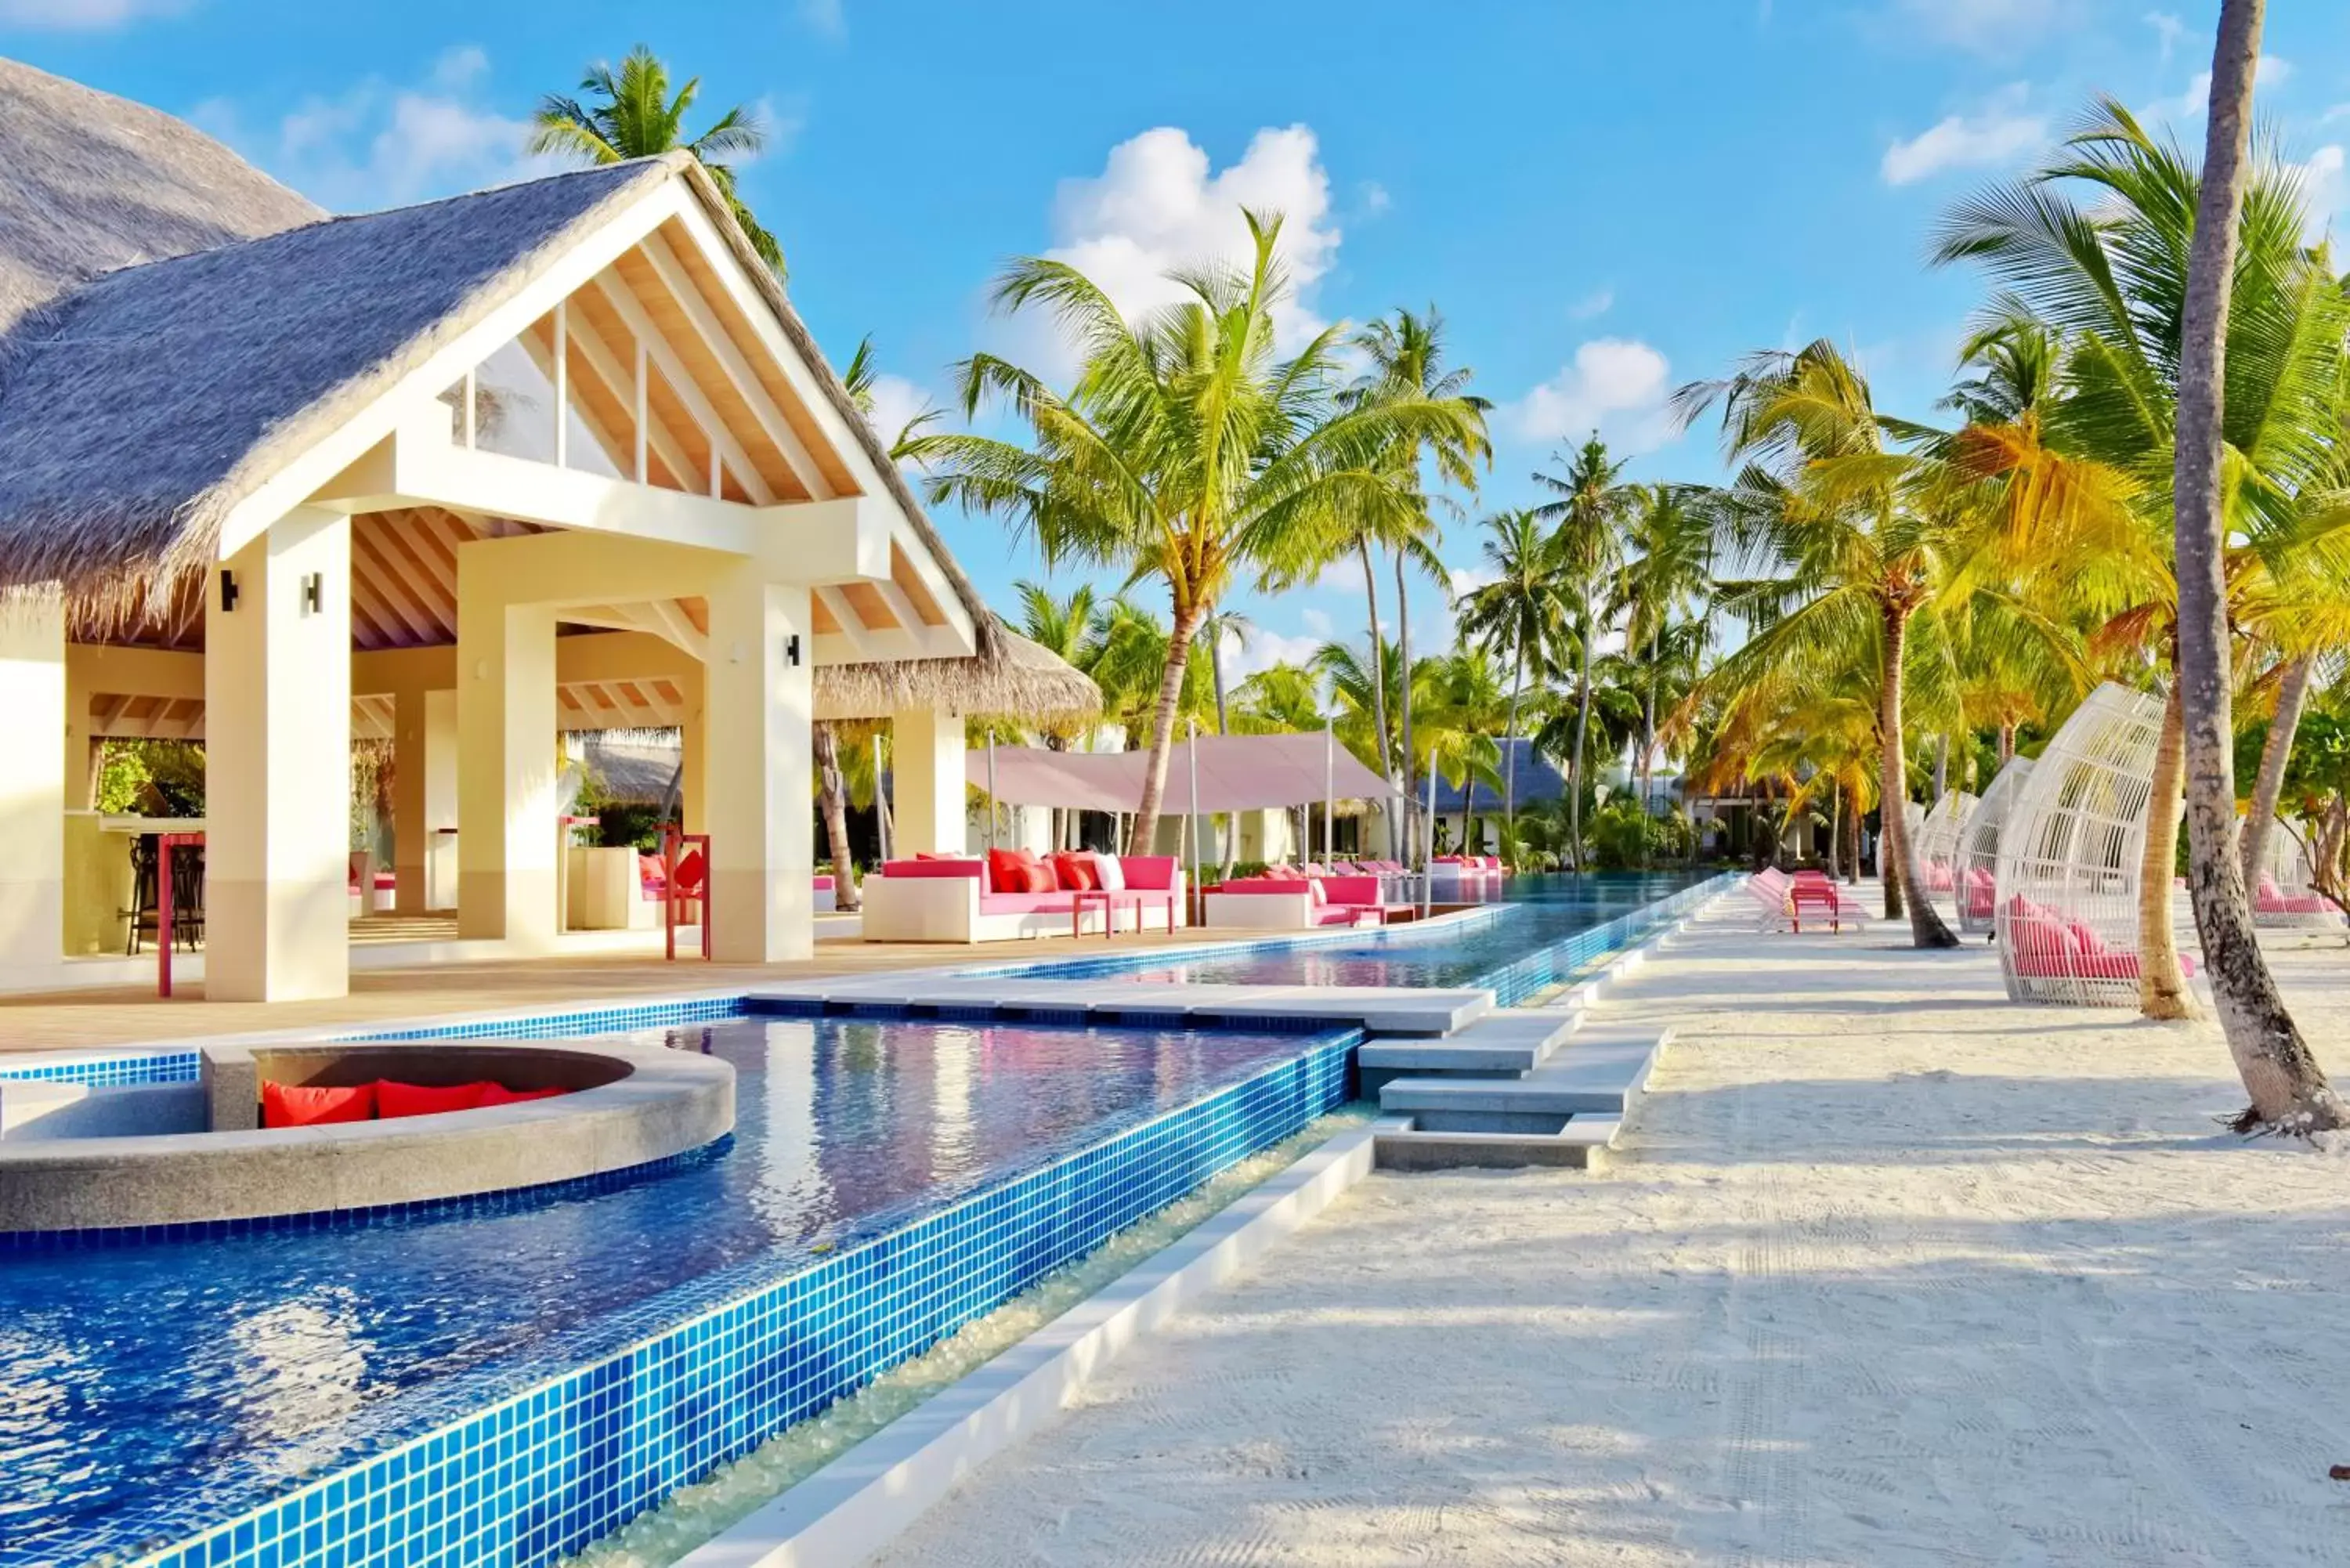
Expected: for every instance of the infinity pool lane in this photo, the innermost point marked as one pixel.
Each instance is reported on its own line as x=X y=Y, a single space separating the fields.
x=204 y=1375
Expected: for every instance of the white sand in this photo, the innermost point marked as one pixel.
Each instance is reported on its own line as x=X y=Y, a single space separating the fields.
x=1896 y=1273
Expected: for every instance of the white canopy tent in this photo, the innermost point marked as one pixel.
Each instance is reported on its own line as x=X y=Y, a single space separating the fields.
x=1234 y=773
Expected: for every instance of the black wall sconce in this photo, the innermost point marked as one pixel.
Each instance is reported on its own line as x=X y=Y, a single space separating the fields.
x=228 y=590
x=311 y=582
x=792 y=651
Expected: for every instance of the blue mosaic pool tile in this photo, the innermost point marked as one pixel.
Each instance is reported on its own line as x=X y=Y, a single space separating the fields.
x=141 y=1068
x=586 y=1021
x=540 y=1474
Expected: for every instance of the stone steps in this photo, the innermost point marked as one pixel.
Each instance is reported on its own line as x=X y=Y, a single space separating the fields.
x=1500 y=1044
x=1566 y=1111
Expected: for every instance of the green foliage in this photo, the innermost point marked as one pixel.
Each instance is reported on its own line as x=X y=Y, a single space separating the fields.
x=1622 y=835
x=152 y=778
x=631 y=113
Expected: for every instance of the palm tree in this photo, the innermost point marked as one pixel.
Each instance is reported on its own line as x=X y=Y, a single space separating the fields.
x=1520 y=617
x=1823 y=500
x=2123 y=275
x=1590 y=512
x=1664 y=586
x=2288 y=1088
x=1406 y=356
x=635 y=115
x=1187 y=451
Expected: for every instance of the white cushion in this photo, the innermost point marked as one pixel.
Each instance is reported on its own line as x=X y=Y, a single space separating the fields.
x=1113 y=874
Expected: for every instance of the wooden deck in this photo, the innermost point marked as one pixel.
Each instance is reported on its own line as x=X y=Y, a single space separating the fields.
x=134 y=1015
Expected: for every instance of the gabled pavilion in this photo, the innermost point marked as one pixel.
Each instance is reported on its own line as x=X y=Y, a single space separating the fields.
x=554 y=456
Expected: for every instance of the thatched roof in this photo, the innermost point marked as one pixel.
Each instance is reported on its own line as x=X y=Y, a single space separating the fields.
x=1027 y=683
x=138 y=409
x=92 y=182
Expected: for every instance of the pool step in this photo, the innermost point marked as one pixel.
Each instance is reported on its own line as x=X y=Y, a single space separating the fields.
x=1504 y=1044
x=1566 y=1111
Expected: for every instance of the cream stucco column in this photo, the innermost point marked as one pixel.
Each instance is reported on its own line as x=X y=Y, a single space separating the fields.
x=506 y=792
x=693 y=769
x=758 y=788
x=32 y=777
x=423 y=791
x=927 y=776
x=277 y=765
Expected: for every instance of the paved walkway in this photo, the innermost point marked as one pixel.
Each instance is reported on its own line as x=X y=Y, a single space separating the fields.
x=1892 y=1273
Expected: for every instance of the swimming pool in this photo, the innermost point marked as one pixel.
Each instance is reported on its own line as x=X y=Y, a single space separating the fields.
x=504 y=1385
x=1546 y=930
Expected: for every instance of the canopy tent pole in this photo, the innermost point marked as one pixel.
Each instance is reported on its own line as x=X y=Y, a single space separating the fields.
x=1191 y=753
x=991 y=793
x=1427 y=874
x=1329 y=787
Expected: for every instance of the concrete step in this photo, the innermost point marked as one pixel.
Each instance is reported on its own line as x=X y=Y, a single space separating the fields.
x=1581 y=1144
x=1595 y=1071
x=1502 y=1043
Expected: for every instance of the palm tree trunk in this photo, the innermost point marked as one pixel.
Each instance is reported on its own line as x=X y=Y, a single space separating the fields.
x=1403 y=717
x=2288 y=1089
x=2006 y=744
x=1379 y=689
x=2161 y=987
x=1852 y=860
x=1509 y=759
x=833 y=795
x=2268 y=785
x=1836 y=827
x=1582 y=730
x=1941 y=766
x=1926 y=926
x=1162 y=728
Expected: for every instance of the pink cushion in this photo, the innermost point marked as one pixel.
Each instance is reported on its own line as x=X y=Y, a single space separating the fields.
x=1353 y=890
x=1025 y=903
x=1148 y=871
x=936 y=867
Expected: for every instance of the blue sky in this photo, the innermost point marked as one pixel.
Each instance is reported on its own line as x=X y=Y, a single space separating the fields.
x=1603 y=200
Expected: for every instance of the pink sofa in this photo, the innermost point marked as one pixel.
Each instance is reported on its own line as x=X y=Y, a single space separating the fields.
x=951 y=899
x=1294 y=903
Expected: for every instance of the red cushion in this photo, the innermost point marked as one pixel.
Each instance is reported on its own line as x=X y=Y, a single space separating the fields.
x=499 y=1095
x=1075 y=871
x=394 y=1099
x=689 y=873
x=1004 y=873
x=292 y=1106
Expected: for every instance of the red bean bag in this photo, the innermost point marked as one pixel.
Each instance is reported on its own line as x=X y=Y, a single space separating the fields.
x=293 y=1106
x=394 y=1099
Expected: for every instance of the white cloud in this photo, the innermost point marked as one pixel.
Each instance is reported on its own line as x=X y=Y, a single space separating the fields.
x=1598 y=302
x=1999 y=131
x=2325 y=189
x=2192 y=104
x=825 y=16
x=1617 y=386
x=83 y=15
x=1317 y=622
x=2169 y=29
x=896 y=402
x=1158 y=204
x=1997 y=28
x=377 y=145
x=1262 y=649
x=1466 y=580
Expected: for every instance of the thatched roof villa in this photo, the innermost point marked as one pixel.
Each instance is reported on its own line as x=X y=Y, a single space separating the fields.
x=554 y=456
